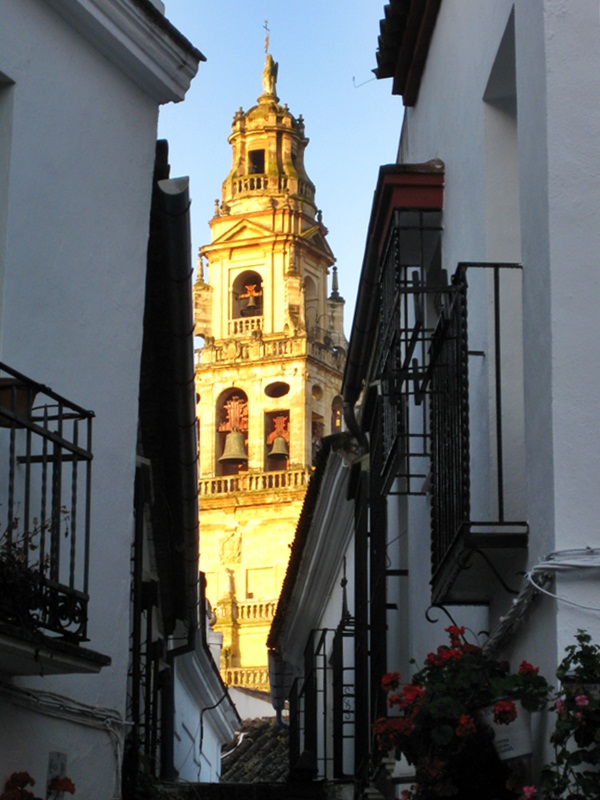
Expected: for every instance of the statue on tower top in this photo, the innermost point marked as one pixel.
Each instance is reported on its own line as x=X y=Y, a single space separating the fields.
x=269 y=78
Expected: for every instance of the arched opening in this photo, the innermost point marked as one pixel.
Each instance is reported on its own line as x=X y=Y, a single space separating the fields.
x=247 y=295
x=337 y=405
x=311 y=304
x=277 y=440
x=232 y=432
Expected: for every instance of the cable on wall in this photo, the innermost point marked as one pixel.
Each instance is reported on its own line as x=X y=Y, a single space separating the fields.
x=60 y=707
x=534 y=582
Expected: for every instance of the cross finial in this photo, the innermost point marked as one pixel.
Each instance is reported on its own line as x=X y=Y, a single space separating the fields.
x=267 y=31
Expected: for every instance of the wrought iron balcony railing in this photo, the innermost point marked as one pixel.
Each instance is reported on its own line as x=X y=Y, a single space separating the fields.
x=45 y=445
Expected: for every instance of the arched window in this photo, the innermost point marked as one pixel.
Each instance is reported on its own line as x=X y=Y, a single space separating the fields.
x=336 y=414
x=277 y=439
x=247 y=295
x=311 y=305
x=232 y=432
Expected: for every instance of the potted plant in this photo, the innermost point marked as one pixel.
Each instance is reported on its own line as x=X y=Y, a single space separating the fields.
x=19 y=577
x=574 y=773
x=438 y=725
x=15 y=787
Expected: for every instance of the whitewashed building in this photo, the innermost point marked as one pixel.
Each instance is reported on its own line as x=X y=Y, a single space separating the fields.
x=81 y=83
x=472 y=373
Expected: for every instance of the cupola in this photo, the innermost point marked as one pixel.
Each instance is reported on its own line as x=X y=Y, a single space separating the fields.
x=268 y=145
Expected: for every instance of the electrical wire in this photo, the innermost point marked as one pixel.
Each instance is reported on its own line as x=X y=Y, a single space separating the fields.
x=566 y=561
x=58 y=706
x=534 y=581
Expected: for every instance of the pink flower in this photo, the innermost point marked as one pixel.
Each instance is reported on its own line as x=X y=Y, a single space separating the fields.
x=529 y=792
x=582 y=700
x=559 y=706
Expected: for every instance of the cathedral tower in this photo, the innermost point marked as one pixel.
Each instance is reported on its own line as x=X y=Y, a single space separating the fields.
x=268 y=375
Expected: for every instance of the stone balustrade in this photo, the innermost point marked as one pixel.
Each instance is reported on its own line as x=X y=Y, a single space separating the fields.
x=254 y=482
x=248 y=678
x=256 y=610
x=262 y=348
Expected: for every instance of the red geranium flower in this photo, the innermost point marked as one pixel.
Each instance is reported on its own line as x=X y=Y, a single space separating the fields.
x=466 y=725
x=411 y=695
x=505 y=712
x=456 y=635
x=525 y=668
x=64 y=784
x=390 y=681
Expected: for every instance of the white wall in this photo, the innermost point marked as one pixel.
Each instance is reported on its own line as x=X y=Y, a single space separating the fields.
x=546 y=162
x=72 y=270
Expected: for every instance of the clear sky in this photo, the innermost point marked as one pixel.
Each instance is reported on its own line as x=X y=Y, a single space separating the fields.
x=326 y=51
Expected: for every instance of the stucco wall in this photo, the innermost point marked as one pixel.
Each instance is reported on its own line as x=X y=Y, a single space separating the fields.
x=544 y=160
x=72 y=267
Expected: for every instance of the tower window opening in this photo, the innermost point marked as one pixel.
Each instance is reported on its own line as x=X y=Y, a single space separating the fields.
x=336 y=414
x=256 y=162
x=277 y=440
x=232 y=433
x=318 y=431
x=247 y=296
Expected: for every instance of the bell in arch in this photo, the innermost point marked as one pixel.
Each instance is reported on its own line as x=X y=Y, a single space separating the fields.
x=279 y=451
x=235 y=449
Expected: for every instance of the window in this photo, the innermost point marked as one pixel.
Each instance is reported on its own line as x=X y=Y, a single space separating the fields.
x=256 y=162
x=232 y=432
x=277 y=432
x=247 y=296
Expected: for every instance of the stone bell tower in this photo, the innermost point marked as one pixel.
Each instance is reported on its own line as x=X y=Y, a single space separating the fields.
x=268 y=376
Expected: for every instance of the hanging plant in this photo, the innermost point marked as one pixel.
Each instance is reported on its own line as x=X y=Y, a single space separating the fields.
x=436 y=721
x=575 y=773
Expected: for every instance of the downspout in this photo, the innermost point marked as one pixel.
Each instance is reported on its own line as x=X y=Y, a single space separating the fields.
x=359 y=349
x=175 y=202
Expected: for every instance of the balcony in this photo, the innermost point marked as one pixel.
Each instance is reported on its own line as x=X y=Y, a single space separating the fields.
x=256 y=183
x=453 y=423
x=45 y=484
x=255 y=482
x=256 y=678
x=246 y=348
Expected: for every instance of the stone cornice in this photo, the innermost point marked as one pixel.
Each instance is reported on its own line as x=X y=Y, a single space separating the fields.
x=138 y=40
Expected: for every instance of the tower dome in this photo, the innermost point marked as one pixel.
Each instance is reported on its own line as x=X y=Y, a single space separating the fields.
x=268 y=145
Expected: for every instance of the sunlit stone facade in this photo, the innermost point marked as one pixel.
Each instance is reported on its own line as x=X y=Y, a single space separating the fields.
x=268 y=375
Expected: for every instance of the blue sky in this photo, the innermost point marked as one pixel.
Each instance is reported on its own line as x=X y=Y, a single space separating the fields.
x=326 y=51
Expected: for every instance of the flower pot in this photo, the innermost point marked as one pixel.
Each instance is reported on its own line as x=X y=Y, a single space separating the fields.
x=514 y=739
x=17 y=397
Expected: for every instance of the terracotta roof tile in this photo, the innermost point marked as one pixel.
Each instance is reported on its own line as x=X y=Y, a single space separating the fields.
x=261 y=755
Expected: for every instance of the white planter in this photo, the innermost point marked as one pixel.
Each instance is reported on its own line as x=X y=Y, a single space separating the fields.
x=512 y=740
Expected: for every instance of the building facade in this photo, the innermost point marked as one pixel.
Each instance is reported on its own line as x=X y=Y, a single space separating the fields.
x=472 y=456
x=268 y=375
x=80 y=89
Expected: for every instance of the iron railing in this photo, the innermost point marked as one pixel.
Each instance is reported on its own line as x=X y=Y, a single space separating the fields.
x=45 y=444
x=323 y=702
x=424 y=377
x=449 y=414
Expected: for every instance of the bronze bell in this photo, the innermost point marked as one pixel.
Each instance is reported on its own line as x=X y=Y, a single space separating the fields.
x=279 y=450
x=235 y=449
x=250 y=308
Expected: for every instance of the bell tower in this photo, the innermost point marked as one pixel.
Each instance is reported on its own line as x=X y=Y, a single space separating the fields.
x=268 y=375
